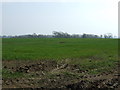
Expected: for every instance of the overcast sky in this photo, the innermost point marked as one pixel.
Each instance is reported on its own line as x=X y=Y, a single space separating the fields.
x=92 y=17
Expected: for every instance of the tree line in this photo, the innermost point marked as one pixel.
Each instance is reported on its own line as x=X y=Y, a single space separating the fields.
x=57 y=34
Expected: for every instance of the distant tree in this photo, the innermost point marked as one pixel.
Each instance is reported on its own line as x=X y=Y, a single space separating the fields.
x=75 y=36
x=84 y=35
x=108 y=35
x=105 y=36
x=60 y=34
x=34 y=35
x=96 y=36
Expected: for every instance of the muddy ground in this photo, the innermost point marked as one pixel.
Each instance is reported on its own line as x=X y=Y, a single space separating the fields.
x=50 y=74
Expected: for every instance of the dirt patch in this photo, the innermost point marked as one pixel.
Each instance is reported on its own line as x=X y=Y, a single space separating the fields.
x=50 y=74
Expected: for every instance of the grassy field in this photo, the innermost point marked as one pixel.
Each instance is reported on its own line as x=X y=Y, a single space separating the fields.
x=58 y=56
x=57 y=48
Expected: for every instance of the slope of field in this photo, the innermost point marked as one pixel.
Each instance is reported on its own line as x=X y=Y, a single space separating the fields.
x=69 y=63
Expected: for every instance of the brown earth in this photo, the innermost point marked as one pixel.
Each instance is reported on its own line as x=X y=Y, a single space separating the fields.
x=50 y=74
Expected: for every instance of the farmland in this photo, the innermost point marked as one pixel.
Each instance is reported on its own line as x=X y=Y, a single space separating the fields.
x=51 y=62
x=54 y=48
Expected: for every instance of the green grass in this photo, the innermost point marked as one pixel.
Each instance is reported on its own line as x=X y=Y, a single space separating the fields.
x=94 y=55
x=51 y=48
x=8 y=74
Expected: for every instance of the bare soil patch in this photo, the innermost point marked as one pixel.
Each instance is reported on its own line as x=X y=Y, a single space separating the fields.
x=50 y=74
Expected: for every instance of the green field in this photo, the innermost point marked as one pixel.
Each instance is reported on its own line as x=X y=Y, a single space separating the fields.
x=60 y=59
x=57 y=48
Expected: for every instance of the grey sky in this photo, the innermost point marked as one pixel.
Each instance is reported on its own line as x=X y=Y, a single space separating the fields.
x=45 y=17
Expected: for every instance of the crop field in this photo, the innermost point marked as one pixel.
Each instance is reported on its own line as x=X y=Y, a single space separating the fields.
x=54 y=48
x=60 y=62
